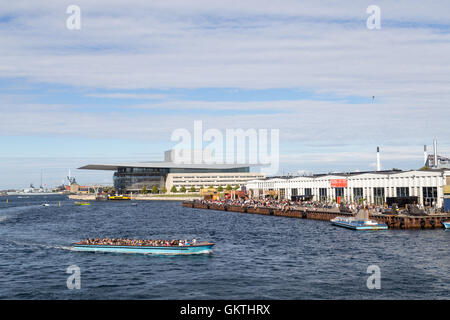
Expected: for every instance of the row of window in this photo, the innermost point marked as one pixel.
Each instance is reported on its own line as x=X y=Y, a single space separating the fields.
x=358 y=193
x=184 y=182
x=214 y=177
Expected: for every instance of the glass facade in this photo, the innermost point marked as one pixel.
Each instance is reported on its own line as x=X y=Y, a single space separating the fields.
x=429 y=196
x=358 y=193
x=378 y=195
x=138 y=178
x=339 y=192
x=402 y=192
x=322 y=194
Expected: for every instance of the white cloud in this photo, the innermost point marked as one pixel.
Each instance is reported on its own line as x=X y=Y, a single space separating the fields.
x=305 y=45
x=322 y=47
x=127 y=96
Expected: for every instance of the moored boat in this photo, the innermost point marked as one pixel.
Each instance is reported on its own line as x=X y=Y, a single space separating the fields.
x=119 y=198
x=446 y=224
x=198 y=248
x=358 y=224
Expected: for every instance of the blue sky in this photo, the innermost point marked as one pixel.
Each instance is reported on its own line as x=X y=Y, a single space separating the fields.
x=115 y=90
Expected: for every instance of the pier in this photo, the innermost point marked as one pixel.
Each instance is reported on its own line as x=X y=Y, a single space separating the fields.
x=392 y=221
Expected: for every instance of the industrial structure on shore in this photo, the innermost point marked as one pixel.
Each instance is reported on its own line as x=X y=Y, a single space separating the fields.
x=429 y=186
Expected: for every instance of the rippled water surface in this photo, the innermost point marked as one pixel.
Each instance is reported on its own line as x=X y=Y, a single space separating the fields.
x=255 y=257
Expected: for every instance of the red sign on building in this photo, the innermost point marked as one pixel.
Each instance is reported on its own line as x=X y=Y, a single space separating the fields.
x=338 y=183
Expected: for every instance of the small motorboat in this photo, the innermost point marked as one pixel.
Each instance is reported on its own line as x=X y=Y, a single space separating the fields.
x=119 y=198
x=446 y=224
x=198 y=248
x=134 y=204
x=358 y=224
x=81 y=203
x=46 y=205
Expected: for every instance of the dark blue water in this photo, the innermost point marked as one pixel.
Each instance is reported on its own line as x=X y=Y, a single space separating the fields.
x=255 y=257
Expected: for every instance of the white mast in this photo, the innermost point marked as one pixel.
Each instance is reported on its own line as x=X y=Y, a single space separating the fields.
x=435 y=153
x=378 y=159
x=425 y=155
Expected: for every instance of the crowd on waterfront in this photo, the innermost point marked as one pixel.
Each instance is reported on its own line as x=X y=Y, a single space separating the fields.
x=300 y=205
x=284 y=204
x=137 y=242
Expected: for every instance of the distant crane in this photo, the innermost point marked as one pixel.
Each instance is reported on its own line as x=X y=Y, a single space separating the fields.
x=71 y=179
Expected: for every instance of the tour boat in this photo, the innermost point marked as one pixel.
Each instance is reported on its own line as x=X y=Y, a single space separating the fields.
x=446 y=224
x=198 y=248
x=358 y=224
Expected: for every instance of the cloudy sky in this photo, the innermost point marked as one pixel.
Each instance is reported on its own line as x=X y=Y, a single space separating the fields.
x=116 y=89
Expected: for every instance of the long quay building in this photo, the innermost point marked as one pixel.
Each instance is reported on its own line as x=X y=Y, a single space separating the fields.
x=431 y=187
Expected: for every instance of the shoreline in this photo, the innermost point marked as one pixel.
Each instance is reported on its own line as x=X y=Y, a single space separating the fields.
x=138 y=198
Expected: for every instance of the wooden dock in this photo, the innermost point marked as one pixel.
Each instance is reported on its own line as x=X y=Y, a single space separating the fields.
x=392 y=221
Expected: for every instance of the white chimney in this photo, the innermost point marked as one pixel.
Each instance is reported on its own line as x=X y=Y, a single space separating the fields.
x=425 y=155
x=378 y=159
x=435 y=153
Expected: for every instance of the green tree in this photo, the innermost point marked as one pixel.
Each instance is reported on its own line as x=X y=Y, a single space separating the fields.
x=155 y=189
x=144 y=190
x=220 y=189
x=183 y=189
x=164 y=190
x=236 y=187
x=228 y=187
x=173 y=189
x=192 y=189
x=425 y=168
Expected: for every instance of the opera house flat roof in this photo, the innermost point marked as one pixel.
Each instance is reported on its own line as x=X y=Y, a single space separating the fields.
x=161 y=164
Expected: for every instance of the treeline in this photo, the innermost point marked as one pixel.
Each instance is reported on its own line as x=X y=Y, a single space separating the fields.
x=155 y=189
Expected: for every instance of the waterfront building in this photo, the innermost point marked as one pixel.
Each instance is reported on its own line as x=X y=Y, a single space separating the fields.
x=372 y=187
x=133 y=177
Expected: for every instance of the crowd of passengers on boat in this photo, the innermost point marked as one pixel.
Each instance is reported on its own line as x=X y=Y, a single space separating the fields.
x=136 y=242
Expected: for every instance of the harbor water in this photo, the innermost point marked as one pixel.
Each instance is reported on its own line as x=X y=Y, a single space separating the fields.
x=255 y=256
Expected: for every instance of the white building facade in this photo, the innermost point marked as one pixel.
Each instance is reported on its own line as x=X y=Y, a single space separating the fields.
x=214 y=179
x=371 y=187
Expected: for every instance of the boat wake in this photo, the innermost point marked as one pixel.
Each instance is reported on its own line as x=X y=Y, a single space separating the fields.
x=12 y=212
x=43 y=245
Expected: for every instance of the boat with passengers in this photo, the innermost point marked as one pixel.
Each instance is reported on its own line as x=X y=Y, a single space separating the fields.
x=170 y=247
x=358 y=224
